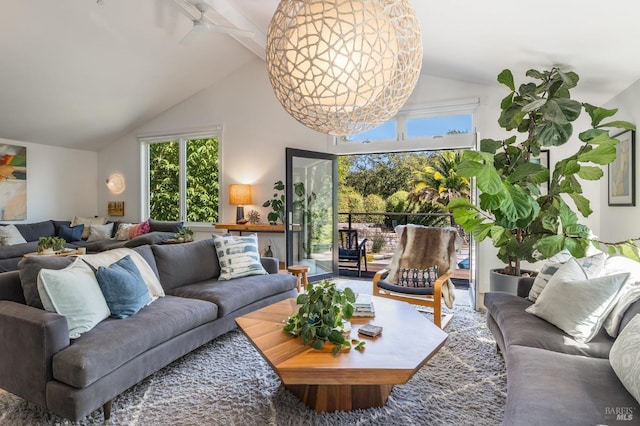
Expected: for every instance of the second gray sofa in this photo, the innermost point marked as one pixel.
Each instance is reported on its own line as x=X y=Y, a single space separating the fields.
x=72 y=378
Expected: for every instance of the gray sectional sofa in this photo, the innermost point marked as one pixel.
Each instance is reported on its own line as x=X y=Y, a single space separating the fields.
x=551 y=378
x=11 y=255
x=72 y=378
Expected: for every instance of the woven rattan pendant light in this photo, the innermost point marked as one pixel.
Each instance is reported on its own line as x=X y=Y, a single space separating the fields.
x=343 y=66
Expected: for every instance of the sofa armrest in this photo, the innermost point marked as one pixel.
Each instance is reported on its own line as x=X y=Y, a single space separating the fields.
x=270 y=264
x=524 y=286
x=30 y=337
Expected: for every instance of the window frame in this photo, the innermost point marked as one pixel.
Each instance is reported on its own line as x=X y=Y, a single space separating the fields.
x=402 y=143
x=182 y=137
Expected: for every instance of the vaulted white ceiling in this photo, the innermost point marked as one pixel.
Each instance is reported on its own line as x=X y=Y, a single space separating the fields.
x=79 y=74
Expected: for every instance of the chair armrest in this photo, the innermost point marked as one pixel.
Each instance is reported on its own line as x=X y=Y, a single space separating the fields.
x=437 y=285
x=363 y=244
x=380 y=275
x=30 y=338
x=270 y=264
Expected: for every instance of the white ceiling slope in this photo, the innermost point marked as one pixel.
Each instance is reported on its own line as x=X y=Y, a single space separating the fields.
x=78 y=74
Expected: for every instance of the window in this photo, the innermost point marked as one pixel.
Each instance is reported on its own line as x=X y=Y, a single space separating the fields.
x=182 y=177
x=446 y=125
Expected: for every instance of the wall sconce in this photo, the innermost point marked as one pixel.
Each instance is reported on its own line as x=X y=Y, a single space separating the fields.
x=239 y=195
x=115 y=183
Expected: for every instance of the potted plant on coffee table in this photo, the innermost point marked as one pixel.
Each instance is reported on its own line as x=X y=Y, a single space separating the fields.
x=523 y=223
x=324 y=311
x=50 y=245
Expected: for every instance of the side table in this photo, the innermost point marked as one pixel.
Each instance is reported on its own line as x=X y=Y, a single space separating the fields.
x=300 y=272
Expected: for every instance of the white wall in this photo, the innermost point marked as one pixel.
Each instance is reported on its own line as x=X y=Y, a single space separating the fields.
x=61 y=182
x=621 y=223
x=256 y=131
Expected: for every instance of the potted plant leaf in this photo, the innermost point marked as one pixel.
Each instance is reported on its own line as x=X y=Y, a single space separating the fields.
x=523 y=223
x=184 y=235
x=277 y=204
x=50 y=245
x=324 y=309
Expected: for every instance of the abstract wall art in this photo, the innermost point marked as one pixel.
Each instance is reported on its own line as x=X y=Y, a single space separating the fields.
x=13 y=182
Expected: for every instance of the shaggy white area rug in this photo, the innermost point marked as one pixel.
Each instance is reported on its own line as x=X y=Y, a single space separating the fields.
x=226 y=382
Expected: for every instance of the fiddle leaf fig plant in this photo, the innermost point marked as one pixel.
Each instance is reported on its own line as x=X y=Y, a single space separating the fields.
x=522 y=222
x=277 y=203
x=320 y=319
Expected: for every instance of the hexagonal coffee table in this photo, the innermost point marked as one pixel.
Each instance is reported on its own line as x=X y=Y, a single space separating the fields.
x=351 y=380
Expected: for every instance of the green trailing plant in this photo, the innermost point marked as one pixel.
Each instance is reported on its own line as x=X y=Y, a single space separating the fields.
x=54 y=243
x=184 y=234
x=323 y=308
x=524 y=224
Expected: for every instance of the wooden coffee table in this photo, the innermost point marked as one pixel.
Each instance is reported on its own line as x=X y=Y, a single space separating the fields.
x=351 y=380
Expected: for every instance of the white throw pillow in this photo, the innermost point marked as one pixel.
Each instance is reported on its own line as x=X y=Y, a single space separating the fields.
x=122 y=234
x=629 y=293
x=579 y=308
x=238 y=256
x=9 y=236
x=109 y=257
x=87 y=222
x=100 y=232
x=591 y=266
x=625 y=357
x=73 y=292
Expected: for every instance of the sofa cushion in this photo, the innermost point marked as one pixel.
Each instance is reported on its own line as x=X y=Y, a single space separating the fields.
x=10 y=236
x=115 y=342
x=98 y=246
x=550 y=388
x=30 y=268
x=197 y=260
x=165 y=226
x=74 y=293
x=87 y=222
x=33 y=231
x=522 y=328
x=238 y=256
x=147 y=254
x=579 y=307
x=154 y=237
x=629 y=294
x=625 y=357
x=70 y=233
x=100 y=232
x=123 y=287
x=232 y=295
x=110 y=256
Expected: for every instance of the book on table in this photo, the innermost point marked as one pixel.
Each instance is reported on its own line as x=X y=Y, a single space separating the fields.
x=363 y=306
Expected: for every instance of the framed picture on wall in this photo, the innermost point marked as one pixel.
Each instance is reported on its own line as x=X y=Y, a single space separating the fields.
x=622 y=171
x=543 y=159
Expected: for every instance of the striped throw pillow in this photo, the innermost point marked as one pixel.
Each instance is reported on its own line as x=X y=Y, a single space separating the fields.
x=238 y=256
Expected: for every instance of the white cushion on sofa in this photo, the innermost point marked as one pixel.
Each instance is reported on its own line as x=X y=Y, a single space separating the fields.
x=9 y=236
x=109 y=257
x=579 y=307
x=592 y=266
x=629 y=293
x=74 y=293
x=87 y=222
x=625 y=357
x=100 y=232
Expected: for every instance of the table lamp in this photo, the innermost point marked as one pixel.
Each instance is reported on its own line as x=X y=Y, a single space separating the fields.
x=239 y=195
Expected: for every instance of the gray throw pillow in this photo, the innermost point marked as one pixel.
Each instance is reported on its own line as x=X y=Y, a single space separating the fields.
x=29 y=268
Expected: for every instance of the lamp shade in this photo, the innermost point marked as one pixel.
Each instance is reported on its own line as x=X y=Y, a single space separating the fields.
x=239 y=194
x=343 y=66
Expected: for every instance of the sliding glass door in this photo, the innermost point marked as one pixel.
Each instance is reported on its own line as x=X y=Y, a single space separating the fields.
x=311 y=213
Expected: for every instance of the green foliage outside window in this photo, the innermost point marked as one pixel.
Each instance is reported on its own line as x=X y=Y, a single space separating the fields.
x=201 y=180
